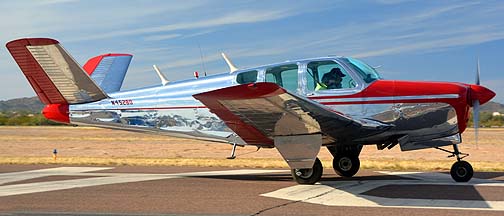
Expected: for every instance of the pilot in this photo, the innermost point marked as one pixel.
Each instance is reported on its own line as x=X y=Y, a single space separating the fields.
x=331 y=80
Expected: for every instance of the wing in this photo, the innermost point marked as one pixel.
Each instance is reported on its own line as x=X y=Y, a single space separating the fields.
x=266 y=114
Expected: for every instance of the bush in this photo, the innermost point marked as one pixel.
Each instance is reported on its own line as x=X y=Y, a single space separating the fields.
x=487 y=120
x=24 y=119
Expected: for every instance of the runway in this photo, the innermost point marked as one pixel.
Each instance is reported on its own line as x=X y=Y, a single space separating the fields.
x=127 y=190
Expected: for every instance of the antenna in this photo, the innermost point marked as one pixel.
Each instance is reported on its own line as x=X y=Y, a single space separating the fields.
x=232 y=67
x=202 y=59
x=164 y=81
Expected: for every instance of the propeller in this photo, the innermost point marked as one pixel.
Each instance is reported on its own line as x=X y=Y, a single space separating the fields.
x=476 y=107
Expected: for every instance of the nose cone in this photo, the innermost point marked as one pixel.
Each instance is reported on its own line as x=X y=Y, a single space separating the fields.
x=481 y=94
x=57 y=113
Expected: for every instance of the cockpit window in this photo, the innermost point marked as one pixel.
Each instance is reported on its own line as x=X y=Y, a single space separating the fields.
x=247 y=77
x=326 y=75
x=365 y=71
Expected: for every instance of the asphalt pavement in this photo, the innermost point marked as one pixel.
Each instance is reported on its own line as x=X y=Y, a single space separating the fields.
x=131 y=190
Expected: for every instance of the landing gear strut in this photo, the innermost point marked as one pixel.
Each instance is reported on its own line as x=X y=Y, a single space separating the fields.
x=310 y=175
x=461 y=171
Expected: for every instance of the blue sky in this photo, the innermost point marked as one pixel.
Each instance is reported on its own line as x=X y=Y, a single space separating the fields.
x=411 y=40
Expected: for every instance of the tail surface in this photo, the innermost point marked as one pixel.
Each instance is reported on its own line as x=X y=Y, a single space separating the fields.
x=108 y=70
x=54 y=75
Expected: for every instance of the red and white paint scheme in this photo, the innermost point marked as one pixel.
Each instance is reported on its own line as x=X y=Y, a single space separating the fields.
x=295 y=106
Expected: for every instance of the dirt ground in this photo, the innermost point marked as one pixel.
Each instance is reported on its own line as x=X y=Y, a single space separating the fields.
x=106 y=143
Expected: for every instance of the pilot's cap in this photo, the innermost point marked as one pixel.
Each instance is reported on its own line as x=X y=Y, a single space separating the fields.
x=338 y=72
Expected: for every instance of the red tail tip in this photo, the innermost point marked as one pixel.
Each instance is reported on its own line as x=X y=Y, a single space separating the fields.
x=57 y=113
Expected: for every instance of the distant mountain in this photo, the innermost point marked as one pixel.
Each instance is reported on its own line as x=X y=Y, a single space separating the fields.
x=492 y=107
x=32 y=105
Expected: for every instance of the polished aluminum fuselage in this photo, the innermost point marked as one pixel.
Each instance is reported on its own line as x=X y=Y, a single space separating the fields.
x=172 y=110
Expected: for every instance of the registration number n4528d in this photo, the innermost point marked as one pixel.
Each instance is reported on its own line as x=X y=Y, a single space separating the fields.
x=122 y=102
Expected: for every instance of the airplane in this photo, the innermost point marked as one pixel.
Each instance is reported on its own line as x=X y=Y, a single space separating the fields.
x=290 y=106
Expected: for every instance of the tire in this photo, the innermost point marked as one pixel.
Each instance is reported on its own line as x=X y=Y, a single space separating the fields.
x=308 y=176
x=461 y=171
x=346 y=165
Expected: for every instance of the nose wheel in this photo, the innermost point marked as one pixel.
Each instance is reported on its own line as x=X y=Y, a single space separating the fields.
x=309 y=175
x=461 y=171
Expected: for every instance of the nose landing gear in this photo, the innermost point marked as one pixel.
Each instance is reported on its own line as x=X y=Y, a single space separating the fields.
x=461 y=171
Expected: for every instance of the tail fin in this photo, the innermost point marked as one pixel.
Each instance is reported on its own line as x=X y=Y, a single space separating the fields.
x=54 y=75
x=108 y=70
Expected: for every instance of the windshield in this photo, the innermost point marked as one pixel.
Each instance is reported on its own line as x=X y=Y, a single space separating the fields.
x=365 y=71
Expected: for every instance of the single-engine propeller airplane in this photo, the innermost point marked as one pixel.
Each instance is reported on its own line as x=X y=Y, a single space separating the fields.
x=295 y=106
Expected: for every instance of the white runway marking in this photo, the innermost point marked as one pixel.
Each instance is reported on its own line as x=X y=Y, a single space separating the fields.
x=350 y=193
x=24 y=175
x=105 y=179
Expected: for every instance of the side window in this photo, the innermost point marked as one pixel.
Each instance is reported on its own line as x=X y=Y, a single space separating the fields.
x=285 y=76
x=324 y=75
x=247 y=77
x=270 y=78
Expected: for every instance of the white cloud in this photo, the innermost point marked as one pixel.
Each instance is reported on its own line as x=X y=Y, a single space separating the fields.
x=392 y=2
x=238 y=17
x=53 y=2
x=161 y=37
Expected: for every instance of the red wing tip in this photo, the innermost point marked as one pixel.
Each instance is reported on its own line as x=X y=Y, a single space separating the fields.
x=31 y=41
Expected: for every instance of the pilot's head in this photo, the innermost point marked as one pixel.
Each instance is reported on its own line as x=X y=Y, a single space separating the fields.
x=333 y=78
x=337 y=72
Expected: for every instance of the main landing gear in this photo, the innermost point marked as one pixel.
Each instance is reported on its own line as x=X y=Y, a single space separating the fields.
x=346 y=161
x=461 y=171
x=310 y=175
x=346 y=165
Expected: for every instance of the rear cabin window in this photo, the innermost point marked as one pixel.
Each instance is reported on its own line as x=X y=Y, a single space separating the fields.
x=247 y=77
x=285 y=76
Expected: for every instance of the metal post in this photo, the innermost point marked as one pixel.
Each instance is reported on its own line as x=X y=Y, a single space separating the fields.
x=233 y=156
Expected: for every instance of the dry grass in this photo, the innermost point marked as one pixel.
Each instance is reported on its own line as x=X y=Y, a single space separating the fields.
x=93 y=146
x=242 y=163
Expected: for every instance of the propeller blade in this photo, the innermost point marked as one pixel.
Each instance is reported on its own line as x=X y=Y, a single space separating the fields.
x=477 y=82
x=476 y=107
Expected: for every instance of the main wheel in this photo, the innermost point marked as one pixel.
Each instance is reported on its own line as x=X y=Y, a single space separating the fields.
x=308 y=176
x=346 y=165
x=461 y=171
